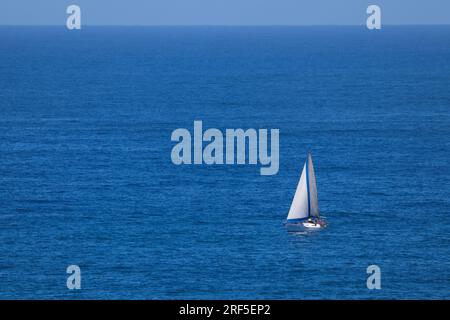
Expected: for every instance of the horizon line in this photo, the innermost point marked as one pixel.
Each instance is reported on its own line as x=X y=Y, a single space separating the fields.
x=223 y=25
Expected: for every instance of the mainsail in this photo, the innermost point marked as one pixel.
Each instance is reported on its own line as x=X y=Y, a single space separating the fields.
x=305 y=203
x=314 y=203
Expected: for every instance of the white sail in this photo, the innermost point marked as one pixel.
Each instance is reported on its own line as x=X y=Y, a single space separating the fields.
x=299 y=206
x=313 y=202
x=305 y=203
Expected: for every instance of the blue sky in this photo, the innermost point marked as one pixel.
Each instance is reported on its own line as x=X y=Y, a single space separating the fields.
x=223 y=12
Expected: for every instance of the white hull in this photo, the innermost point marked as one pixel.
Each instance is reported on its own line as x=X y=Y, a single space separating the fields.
x=306 y=225
x=312 y=225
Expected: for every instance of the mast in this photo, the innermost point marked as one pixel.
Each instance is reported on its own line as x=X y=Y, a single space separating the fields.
x=307 y=185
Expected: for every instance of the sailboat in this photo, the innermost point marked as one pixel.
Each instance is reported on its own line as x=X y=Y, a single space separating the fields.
x=304 y=211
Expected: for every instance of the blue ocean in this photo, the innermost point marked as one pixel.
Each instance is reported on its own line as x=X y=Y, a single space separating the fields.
x=86 y=176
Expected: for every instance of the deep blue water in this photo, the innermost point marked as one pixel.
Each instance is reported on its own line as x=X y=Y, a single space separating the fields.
x=86 y=176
